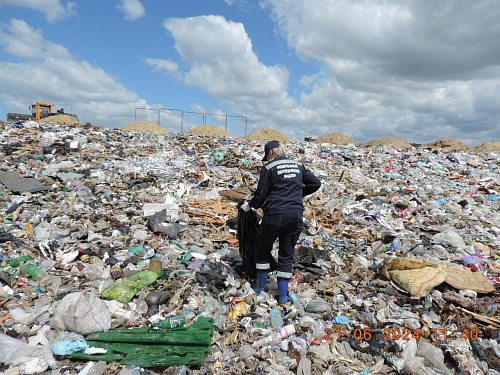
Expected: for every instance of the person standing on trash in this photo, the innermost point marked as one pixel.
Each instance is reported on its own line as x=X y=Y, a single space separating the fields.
x=283 y=183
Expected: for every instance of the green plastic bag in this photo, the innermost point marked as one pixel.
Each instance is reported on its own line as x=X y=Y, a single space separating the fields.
x=124 y=290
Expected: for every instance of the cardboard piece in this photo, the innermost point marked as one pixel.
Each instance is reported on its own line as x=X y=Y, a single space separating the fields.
x=419 y=278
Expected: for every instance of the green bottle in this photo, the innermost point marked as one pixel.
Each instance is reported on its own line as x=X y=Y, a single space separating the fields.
x=14 y=262
x=31 y=270
x=171 y=322
x=428 y=302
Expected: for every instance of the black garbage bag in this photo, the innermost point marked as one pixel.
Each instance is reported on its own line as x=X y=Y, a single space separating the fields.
x=248 y=238
x=155 y=221
x=214 y=274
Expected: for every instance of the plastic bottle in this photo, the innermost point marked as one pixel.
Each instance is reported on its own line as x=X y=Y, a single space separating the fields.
x=296 y=303
x=318 y=329
x=275 y=337
x=428 y=302
x=276 y=319
x=492 y=309
x=171 y=322
x=48 y=357
x=31 y=270
x=98 y=368
x=14 y=262
x=133 y=370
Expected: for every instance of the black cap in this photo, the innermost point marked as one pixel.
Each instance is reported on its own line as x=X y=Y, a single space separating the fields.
x=271 y=145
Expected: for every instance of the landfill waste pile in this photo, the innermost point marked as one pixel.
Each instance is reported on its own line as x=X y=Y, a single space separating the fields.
x=120 y=254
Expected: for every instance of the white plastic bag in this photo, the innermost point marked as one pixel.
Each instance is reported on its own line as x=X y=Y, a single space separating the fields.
x=83 y=313
x=29 y=359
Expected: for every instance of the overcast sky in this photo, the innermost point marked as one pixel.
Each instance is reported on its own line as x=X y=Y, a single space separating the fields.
x=422 y=70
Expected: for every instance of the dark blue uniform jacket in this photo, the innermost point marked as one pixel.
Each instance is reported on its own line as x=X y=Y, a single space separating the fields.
x=282 y=185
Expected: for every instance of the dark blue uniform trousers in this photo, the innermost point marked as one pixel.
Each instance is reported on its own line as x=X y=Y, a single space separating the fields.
x=286 y=228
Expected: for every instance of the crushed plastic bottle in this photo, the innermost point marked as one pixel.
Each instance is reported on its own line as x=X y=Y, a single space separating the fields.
x=428 y=302
x=18 y=260
x=275 y=337
x=492 y=309
x=32 y=270
x=318 y=329
x=296 y=303
x=276 y=319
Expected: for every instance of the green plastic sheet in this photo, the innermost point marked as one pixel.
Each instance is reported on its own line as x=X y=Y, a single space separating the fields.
x=146 y=347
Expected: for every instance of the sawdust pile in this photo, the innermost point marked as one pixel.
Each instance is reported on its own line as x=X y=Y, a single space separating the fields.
x=386 y=141
x=266 y=134
x=209 y=130
x=60 y=119
x=145 y=127
x=491 y=146
x=448 y=143
x=336 y=139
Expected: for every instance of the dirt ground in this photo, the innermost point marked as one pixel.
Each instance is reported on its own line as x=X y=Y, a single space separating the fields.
x=144 y=126
x=60 y=119
x=266 y=134
x=209 y=130
x=448 y=143
x=335 y=138
x=492 y=146
x=385 y=141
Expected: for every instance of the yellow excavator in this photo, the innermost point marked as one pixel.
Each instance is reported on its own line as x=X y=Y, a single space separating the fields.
x=39 y=110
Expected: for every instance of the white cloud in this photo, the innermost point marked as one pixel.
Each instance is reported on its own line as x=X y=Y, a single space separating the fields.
x=168 y=67
x=415 y=69
x=160 y=65
x=242 y=4
x=221 y=61
x=24 y=42
x=47 y=71
x=52 y=9
x=132 y=9
x=395 y=68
